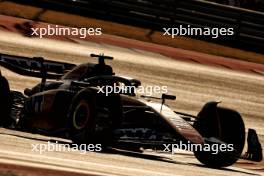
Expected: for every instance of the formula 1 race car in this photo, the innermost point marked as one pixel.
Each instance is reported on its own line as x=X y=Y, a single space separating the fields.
x=73 y=104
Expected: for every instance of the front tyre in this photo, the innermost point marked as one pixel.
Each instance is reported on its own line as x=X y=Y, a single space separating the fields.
x=226 y=125
x=5 y=102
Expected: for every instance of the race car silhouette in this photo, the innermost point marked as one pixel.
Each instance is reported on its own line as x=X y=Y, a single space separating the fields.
x=73 y=104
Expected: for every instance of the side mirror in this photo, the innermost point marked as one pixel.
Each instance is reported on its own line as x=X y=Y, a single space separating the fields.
x=166 y=97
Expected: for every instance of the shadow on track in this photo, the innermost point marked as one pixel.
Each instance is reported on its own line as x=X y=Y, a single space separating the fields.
x=128 y=153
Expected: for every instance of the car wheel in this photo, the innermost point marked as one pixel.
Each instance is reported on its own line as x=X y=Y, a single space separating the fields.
x=5 y=102
x=82 y=118
x=231 y=130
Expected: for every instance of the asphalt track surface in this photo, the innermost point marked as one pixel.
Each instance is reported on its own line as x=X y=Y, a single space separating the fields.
x=192 y=83
x=8 y=23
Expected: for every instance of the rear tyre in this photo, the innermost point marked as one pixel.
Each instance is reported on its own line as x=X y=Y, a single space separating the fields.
x=5 y=103
x=231 y=130
x=82 y=115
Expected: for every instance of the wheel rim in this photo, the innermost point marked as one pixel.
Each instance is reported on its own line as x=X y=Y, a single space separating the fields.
x=81 y=115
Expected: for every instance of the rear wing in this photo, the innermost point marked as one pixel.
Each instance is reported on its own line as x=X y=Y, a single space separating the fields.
x=35 y=67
